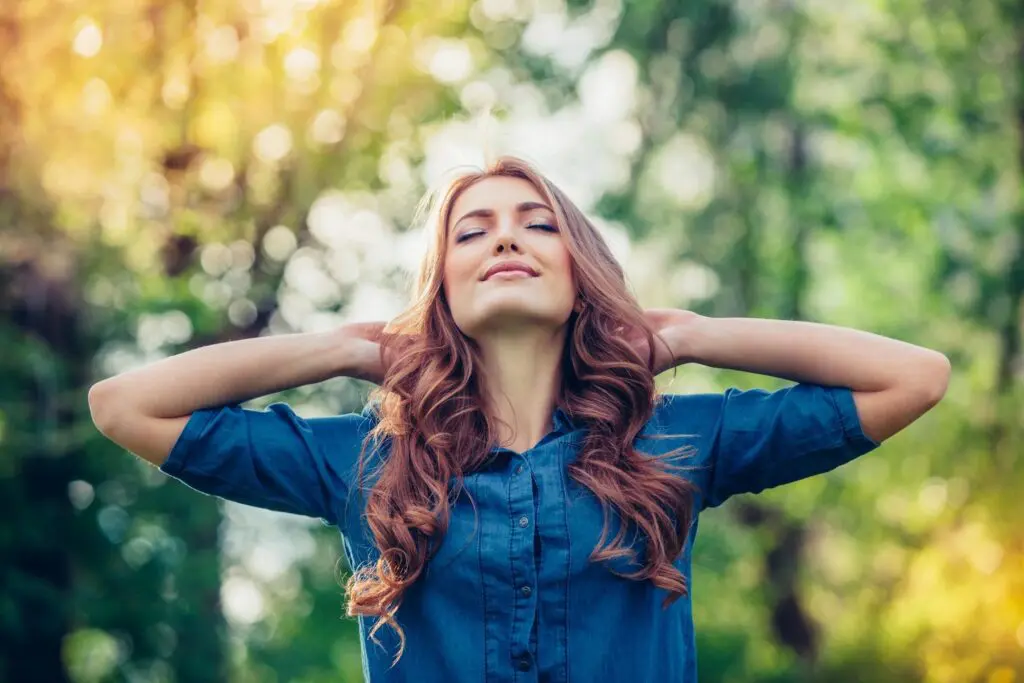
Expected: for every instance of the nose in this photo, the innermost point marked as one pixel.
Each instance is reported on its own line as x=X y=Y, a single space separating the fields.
x=506 y=242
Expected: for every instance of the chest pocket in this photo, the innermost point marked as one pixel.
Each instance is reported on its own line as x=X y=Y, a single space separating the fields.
x=458 y=555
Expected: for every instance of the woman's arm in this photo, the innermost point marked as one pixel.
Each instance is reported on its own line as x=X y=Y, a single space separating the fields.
x=894 y=382
x=145 y=409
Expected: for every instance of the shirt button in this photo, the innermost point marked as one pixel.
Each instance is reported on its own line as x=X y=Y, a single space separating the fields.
x=523 y=664
x=526 y=590
x=524 y=522
x=519 y=470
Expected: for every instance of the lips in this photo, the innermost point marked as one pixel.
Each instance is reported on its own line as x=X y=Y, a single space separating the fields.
x=510 y=266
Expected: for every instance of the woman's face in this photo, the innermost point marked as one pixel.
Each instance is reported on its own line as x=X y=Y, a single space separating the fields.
x=502 y=222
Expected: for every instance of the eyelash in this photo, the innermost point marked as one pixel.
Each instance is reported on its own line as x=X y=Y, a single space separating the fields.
x=469 y=235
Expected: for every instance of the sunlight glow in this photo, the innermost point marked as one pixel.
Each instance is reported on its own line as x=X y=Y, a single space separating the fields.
x=685 y=170
x=242 y=599
x=95 y=97
x=359 y=34
x=273 y=143
x=279 y=243
x=306 y=275
x=327 y=127
x=301 y=64
x=608 y=87
x=88 y=40
x=216 y=173
x=222 y=45
x=447 y=60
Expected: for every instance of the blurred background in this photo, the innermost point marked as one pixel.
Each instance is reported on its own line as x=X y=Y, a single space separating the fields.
x=176 y=173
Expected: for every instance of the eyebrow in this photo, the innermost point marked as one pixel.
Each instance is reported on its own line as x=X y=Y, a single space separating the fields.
x=522 y=207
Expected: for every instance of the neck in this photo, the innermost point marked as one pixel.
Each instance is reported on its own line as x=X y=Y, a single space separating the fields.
x=523 y=380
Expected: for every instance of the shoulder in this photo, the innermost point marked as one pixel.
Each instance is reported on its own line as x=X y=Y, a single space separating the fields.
x=744 y=408
x=684 y=421
x=801 y=406
x=702 y=418
x=696 y=413
x=756 y=438
x=325 y=428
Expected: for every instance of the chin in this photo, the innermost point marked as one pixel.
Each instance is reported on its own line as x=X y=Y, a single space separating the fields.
x=511 y=313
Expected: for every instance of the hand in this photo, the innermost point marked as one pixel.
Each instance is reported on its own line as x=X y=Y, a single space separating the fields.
x=671 y=324
x=363 y=352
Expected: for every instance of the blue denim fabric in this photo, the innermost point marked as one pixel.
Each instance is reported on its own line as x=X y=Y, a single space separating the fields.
x=511 y=594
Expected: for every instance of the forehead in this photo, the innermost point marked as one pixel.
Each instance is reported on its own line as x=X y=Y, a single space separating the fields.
x=497 y=193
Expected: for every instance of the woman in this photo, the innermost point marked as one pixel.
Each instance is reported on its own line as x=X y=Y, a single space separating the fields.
x=525 y=504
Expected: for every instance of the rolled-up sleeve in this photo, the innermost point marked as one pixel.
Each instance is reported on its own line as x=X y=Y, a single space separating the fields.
x=765 y=439
x=272 y=459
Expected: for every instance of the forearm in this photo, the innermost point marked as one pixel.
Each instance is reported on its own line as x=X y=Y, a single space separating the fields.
x=812 y=353
x=221 y=374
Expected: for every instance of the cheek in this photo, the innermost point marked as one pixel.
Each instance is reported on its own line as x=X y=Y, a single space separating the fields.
x=457 y=272
x=567 y=282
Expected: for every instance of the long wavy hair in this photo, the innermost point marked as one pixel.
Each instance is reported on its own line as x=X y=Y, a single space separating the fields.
x=431 y=410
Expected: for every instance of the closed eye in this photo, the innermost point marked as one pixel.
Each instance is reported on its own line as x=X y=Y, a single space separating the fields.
x=468 y=235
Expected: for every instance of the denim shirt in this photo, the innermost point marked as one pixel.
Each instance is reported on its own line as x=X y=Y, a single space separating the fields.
x=511 y=594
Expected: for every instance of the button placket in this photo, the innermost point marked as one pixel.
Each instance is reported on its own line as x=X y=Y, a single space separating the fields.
x=522 y=506
x=549 y=593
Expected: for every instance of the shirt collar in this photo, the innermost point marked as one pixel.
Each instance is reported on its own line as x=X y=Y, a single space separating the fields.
x=561 y=421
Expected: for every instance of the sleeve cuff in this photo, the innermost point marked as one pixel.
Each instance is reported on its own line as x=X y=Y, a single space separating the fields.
x=176 y=460
x=852 y=428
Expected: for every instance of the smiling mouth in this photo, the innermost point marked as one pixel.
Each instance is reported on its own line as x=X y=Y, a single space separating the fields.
x=511 y=275
x=510 y=270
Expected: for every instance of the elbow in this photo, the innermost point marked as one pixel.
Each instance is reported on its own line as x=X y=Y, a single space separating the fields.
x=101 y=406
x=934 y=377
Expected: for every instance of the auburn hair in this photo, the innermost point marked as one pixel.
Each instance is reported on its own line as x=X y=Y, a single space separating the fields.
x=431 y=414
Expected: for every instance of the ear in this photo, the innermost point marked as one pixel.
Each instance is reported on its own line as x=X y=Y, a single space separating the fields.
x=579 y=304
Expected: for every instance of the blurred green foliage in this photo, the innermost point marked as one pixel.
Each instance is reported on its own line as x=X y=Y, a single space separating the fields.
x=183 y=173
